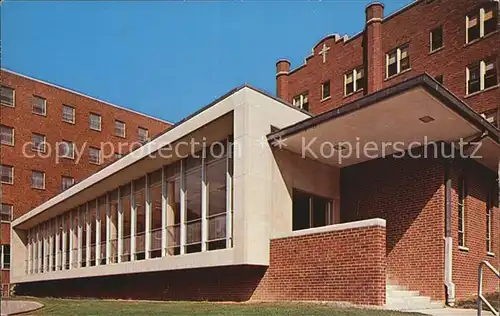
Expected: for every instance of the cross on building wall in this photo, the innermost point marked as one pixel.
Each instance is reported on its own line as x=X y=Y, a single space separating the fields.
x=324 y=52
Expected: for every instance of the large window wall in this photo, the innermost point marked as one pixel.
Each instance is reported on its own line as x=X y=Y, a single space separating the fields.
x=182 y=208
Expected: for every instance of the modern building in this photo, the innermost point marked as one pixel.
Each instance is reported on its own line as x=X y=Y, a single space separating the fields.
x=53 y=137
x=375 y=169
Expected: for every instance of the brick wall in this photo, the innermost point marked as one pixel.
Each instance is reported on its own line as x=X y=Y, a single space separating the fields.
x=412 y=26
x=347 y=265
x=409 y=195
x=465 y=262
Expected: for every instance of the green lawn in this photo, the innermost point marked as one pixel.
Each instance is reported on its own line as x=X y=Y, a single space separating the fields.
x=60 y=307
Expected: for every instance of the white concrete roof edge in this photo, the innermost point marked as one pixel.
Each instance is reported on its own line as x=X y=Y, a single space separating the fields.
x=164 y=139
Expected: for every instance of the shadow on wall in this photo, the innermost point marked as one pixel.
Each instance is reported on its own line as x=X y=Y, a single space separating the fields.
x=235 y=283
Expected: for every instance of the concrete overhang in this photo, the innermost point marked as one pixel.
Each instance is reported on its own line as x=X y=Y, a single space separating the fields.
x=416 y=111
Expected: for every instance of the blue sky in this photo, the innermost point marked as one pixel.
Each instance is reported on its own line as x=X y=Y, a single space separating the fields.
x=167 y=59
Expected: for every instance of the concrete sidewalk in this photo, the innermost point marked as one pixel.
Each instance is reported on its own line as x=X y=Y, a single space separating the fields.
x=16 y=307
x=450 y=312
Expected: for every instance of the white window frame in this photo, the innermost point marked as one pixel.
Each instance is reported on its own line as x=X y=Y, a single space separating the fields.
x=354 y=74
x=99 y=117
x=12 y=135
x=398 y=60
x=124 y=129
x=72 y=149
x=323 y=84
x=33 y=148
x=13 y=105
x=73 y=114
x=2 y=257
x=482 y=76
x=33 y=172
x=139 y=135
x=11 y=212
x=481 y=22
x=12 y=174
x=431 y=50
x=298 y=101
x=62 y=181
x=91 y=149
x=44 y=106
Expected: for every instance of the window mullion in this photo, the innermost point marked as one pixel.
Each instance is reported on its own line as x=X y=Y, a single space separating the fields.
x=482 y=74
x=481 y=22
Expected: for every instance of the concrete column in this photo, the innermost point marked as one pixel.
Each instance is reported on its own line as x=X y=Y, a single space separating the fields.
x=183 y=210
x=120 y=227
x=133 y=222
x=88 y=231
x=58 y=242
x=64 y=242
x=108 y=231
x=204 y=204
x=163 y=212
x=282 y=70
x=373 y=54
x=97 y=233
x=229 y=202
x=79 y=239
x=147 y=224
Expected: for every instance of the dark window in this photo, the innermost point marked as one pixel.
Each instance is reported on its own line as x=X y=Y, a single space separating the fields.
x=6 y=96
x=405 y=58
x=325 y=89
x=349 y=83
x=436 y=38
x=439 y=79
x=474 y=83
x=310 y=211
x=490 y=75
x=392 y=67
x=473 y=27
x=490 y=19
x=360 y=83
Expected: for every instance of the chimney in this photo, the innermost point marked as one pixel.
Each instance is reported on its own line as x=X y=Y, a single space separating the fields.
x=282 y=69
x=372 y=46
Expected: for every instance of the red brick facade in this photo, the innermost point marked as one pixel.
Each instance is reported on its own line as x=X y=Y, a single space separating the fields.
x=306 y=268
x=411 y=25
x=411 y=197
x=20 y=117
x=347 y=265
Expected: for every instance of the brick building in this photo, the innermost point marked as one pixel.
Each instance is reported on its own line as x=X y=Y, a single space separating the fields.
x=35 y=117
x=287 y=214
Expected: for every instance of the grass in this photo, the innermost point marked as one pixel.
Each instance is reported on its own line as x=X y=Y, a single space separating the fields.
x=493 y=298
x=64 y=307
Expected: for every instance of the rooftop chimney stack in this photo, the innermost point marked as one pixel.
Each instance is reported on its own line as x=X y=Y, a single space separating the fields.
x=282 y=70
x=373 y=54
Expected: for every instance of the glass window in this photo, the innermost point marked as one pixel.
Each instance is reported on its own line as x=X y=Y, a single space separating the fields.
x=192 y=193
x=325 y=90
x=94 y=122
x=474 y=79
x=155 y=189
x=67 y=182
x=119 y=128
x=173 y=209
x=66 y=149
x=216 y=181
x=113 y=225
x=481 y=22
x=126 y=208
x=7 y=174
x=354 y=81
x=5 y=257
x=392 y=64
x=94 y=156
x=7 y=135
x=481 y=75
x=490 y=19
x=38 y=179
x=490 y=75
x=102 y=233
x=92 y=218
x=142 y=134
x=140 y=217
x=6 y=212
x=397 y=61
x=68 y=114
x=38 y=142
x=39 y=106
x=301 y=101
x=436 y=39
x=7 y=96
x=311 y=211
